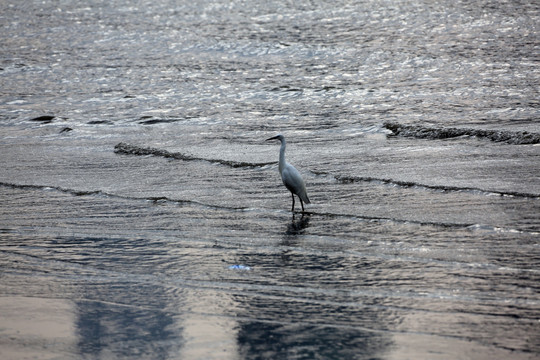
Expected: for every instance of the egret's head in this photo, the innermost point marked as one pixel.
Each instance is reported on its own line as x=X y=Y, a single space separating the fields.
x=277 y=137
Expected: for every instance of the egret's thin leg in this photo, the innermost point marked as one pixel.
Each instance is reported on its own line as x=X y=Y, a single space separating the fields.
x=292 y=202
x=302 y=203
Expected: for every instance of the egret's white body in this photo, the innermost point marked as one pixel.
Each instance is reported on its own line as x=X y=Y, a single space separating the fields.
x=290 y=176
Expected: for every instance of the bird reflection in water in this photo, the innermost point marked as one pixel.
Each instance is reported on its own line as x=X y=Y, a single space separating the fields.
x=297 y=226
x=290 y=240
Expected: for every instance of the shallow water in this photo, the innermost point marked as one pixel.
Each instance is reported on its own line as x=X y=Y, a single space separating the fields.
x=142 y=211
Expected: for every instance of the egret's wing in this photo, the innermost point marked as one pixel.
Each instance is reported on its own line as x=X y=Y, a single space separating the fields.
x=294 y=182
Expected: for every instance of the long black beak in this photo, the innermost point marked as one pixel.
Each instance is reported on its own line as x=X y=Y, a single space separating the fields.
x=272 y=138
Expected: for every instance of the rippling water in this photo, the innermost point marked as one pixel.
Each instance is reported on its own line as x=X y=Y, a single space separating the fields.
x=142 y=211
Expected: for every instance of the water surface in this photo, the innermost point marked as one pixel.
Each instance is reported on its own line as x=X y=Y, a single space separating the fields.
x=142 y=211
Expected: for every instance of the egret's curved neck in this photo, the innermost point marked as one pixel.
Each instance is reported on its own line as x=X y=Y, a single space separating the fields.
x=282 y=156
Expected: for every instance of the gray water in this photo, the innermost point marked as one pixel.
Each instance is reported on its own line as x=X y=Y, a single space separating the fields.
x=143 y=216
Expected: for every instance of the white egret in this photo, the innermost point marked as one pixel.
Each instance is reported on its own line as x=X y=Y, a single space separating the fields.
x=290 y=176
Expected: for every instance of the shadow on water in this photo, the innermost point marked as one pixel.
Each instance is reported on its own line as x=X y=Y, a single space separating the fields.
x=302 y=324
x=259 y=340
x=106 y=328
x=124 y=319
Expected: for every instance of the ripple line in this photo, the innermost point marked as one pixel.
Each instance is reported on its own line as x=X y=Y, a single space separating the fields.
x=436 y=133
x=231 y=208
x=345 y=179
x=128 y=149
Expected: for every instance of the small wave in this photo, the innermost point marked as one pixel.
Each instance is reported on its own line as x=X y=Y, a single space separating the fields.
x=410 y=184
x=164 y=199
x=286 y=88
x=75 y=192
x=44 y=119
x=157 y=121
x=498 y=230
x=127 y=149
x=434 y=133
x=150 y=120
x=374 y=219
x=56 y=188
x=378 y=219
